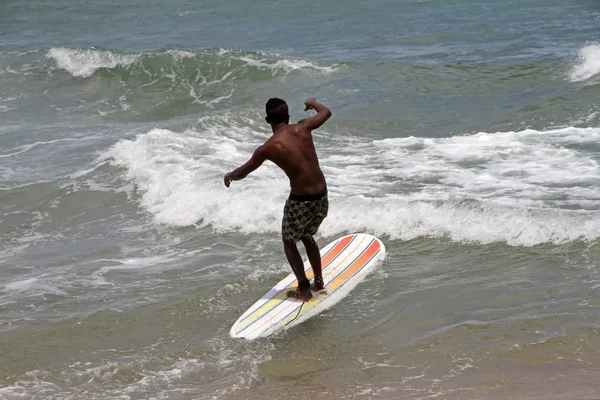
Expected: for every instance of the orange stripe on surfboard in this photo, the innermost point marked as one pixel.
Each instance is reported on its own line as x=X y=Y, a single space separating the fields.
x=329 y=256
x=355 y=267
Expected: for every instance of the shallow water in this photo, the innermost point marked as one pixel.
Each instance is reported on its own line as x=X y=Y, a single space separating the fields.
x=465 y=136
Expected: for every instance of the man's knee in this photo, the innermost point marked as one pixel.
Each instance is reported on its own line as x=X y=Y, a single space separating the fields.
x=288 y=242
x=309 y=240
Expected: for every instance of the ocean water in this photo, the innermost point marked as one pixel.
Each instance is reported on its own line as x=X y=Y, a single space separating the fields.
x=465 y=136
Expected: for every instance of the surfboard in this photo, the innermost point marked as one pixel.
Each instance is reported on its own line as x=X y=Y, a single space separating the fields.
x=345 y=262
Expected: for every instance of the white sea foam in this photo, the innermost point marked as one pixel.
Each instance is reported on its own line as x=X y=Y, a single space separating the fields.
x=179 y=55
x=31 y=287
x=286 y=64
x=26 y=147
x=522 y=188
x=224 y=370
x=587 y=64
x=84 y=63
x=20 y=286
x=129 y=264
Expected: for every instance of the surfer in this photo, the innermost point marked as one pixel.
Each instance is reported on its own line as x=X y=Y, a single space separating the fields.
x=291 y=148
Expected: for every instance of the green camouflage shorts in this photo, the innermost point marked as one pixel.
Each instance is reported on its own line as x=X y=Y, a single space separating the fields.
x=303 y=214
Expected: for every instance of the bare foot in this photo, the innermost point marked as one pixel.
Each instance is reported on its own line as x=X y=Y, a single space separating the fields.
x=304 y=295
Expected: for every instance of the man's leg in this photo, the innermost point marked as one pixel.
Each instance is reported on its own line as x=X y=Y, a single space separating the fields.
x=295 y=260
x=314 y=256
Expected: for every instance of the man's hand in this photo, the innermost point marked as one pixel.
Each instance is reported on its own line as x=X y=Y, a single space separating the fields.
x=227 y=179
x=323 y=114
x=259 y=156
x=310 y=104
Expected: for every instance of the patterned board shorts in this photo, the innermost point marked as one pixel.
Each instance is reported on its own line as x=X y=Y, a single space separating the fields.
x=302 y=215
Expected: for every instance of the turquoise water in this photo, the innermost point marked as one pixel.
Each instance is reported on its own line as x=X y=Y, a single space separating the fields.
x=465 y=136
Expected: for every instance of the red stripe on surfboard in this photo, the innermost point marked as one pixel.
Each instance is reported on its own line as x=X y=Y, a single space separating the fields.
x=329 y=256
x=356 y=265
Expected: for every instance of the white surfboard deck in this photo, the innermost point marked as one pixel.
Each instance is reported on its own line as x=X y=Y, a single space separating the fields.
x=345 y=262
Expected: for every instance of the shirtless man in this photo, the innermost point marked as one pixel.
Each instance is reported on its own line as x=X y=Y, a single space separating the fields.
x=292 y=149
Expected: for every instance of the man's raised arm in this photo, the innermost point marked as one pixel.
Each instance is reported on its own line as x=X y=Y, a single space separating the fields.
x=323 y=114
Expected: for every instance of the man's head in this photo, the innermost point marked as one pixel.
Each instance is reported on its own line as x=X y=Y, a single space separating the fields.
x=277 y=111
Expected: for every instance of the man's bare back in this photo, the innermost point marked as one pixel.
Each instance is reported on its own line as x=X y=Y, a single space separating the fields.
x=292 y=149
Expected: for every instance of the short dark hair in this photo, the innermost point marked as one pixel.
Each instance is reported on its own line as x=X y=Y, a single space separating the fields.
x=277 y=110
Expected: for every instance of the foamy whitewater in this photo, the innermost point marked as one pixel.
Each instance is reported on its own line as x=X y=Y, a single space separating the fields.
x=588 y=63
x=523 y=188
x=464 y=136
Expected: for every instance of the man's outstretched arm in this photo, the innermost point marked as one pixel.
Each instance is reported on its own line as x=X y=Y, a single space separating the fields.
x=323 y=114
x=253 y=163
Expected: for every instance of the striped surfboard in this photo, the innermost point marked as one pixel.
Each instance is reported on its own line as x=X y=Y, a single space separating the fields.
x=345 y=261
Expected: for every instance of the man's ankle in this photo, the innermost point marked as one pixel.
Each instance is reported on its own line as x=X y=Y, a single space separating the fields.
x=304 y=285
x=319 y=284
